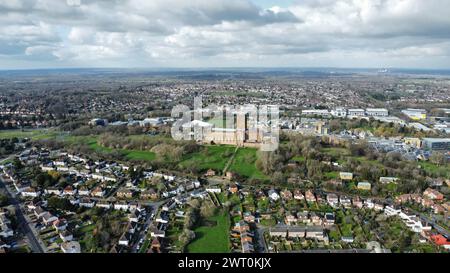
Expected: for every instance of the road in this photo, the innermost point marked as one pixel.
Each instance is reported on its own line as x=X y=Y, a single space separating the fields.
x=259 y=234
x=148 y=221
x=24 y=224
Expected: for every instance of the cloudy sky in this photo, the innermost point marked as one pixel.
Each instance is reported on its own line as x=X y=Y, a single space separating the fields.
x=224 y=33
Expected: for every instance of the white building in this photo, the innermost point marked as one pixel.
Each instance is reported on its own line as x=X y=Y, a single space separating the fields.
x=377 y=112
x=352 y=113
x=339 y=112
x=273 y=195
x=214 y=190
x=316 y=112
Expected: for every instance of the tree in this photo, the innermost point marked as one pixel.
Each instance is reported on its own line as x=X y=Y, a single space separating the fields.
x=207 y=209
x=278 y=177
x=186 y=237
x=4 y=200
x=17 y=163
x=437 y=158
x=59 y=203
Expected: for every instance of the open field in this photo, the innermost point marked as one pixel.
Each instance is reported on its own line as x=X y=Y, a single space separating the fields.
x=244 y=164
x=336 y=152
x=35 y=134
x=213 y=237
x=211 y=157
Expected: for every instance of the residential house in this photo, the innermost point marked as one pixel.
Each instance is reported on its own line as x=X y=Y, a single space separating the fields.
x=30 y=192
x=87 y=203
x=433 y=194
x=388 y=180
x=303 y=217
x=124 y=193
x=309 y=196
x=329 y=219
x=54 y=191
x=345 y=201
x=290 y=219
x=278 y=231
x=48 y=218
x=273 y=195
x=98 y=192
x=66 y=236
x=210 y=172
x=315 y=219
x=241 y=227
x=103 y=204
x=346 y=176
x=298 y=195
x=249 y=217
x=296 y=232
x=366 y=186
x=315 y=232
x=121 y=206
x=213 y=190
x=286 y=195
x=83 y=191
x=125 y=239
x=60 y=224
x=333 y=200
x=149 y=194
x=69 y=190
x=233 y=188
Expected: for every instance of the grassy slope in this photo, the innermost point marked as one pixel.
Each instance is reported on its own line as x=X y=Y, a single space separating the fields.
x=244 y=164
x=215 y=158
x=212 y=239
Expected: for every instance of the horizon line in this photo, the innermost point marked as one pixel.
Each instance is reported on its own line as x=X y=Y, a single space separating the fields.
x=223 y=68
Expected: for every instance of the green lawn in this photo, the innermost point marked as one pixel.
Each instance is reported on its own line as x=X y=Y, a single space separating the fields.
x=336 y=152
x=331 y=175
x=299 y=159
x=140 y=155
x=35 y=134
x=212 y=238
x=436 y=170
x=244 y=164
x=210 y=157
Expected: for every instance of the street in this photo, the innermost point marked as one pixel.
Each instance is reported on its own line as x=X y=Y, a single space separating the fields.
x=25 y=226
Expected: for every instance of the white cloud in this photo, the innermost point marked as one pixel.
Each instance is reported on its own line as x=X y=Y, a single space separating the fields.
x=232 y=32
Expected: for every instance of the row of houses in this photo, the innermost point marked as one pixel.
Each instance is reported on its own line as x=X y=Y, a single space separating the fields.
x=242 y=231
x=307 y=232
x=310 y=218
x=430 y=198
x=413 y=222
x=5 y=225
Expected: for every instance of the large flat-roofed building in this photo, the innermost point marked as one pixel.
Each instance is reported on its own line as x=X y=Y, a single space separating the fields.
x=356 y=113
x=339 y=112
x=316 y=112
x=436 y=144
x=377 y=112
x=415 y=114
